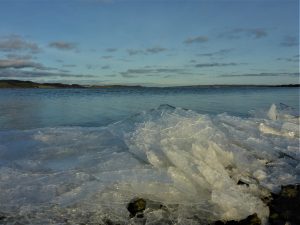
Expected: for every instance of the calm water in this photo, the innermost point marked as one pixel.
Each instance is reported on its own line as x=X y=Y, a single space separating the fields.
x=37 y=108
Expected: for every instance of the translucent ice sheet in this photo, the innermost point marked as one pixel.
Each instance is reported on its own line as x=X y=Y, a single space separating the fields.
x=192 y=164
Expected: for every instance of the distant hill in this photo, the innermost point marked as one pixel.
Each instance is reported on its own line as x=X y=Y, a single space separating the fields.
x=30 y=84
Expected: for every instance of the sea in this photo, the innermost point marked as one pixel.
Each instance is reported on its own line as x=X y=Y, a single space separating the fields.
x=194 y=154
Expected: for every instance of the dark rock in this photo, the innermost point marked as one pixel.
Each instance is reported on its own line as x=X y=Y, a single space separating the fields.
x=140 y=215
x=285 y=206
x=137 y=205
x=242 y=183
x=250 y=220
x=2 y=217
x=108 y=221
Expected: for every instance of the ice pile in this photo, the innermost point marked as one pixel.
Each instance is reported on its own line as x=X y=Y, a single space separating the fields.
x=202 y=168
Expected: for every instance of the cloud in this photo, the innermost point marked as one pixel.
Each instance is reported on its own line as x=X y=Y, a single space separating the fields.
x=15 y=43
x=106 y=57
x=91 y=67
x=69 y=65
x=147 y=51
x=110 y=75
x=198 y=39
x=151 y=72
x=237 y=33
x=64 y=71
x=134 y=51
x=202 y=65
x=17 y=73
x=290 y=41
x=111 y=49
x=62 y=45
x=217 y=53
x=133 y=72
x=167 y=70
x=260 y=75
x=125 y=60
x=127 y=75
x=19 y=63
x=105 y=67
x=258 y=33
x=21 y=57
x=95 y=66
x=294 y=58
x=156 y=50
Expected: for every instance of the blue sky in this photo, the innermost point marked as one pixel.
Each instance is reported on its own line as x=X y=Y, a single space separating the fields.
x=150 y=42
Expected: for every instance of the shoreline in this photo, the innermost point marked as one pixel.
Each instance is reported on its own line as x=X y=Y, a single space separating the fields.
x=283 y=209
x=20 y=84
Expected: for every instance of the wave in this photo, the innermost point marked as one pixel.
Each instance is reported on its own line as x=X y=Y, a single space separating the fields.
x=192 y=164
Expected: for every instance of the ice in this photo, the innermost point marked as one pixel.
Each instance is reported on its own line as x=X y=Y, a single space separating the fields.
x=272 y=114
x=190 y=163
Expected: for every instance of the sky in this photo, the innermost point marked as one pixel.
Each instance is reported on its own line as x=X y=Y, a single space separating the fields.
x=150 y=42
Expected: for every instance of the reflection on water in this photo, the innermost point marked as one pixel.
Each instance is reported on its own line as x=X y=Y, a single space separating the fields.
x=34 y=108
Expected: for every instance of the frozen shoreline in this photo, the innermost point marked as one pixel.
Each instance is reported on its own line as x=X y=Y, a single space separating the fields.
x=193 y=164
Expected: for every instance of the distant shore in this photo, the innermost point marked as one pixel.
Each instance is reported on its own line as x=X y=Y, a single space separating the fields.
x=31 y=84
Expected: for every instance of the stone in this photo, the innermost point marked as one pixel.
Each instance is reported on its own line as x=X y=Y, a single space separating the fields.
x=250 y=220
x=285 y=206
x=136 y=205
x=2 y=217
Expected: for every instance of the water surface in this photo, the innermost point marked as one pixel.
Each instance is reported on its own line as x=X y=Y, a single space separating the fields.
x=36 y=108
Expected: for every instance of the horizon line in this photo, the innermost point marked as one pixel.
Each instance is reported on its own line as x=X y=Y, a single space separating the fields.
x=145 y=86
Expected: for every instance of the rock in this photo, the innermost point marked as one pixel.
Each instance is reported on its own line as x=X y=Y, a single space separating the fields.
x=136 y=205
x=2 y=217
x=148 y=212
x=139 y=215
x=108 y=221
x=291 y=191
x=240 y=182
x=250 y=220
x=285 y=206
